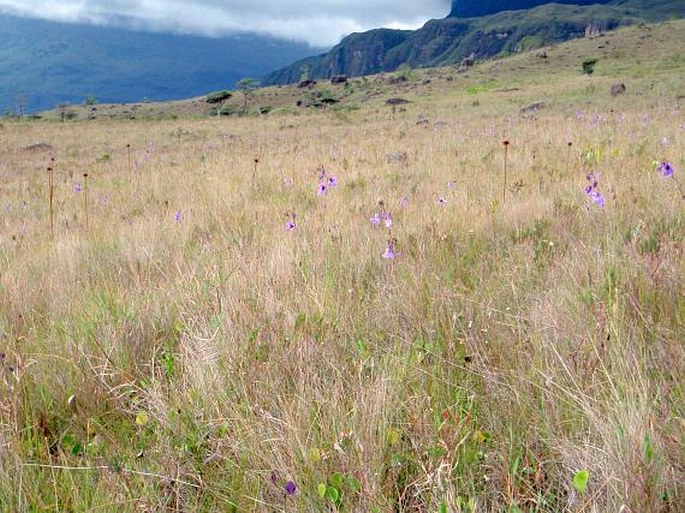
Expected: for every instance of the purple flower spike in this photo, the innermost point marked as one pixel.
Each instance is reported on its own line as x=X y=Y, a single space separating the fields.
x=665 y=169
x=388 y=220
x=178 y=216
x=592 y=190
x=375 y=219
x=290 y=488
x=78 y=188
x=332 y=181
x=322 y=189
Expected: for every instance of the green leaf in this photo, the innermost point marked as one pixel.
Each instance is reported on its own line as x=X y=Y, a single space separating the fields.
x=353 y=484
x=333 y=494
x=321 y=489
x=392 y=437
x=443 y=507
x=580 y=480
x=647 y=449
x=77 y=449
x=337 y=480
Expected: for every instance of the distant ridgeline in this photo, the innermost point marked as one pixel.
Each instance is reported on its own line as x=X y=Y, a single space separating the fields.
x=473 y=8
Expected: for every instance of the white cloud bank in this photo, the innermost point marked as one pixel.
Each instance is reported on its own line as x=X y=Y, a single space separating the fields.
x=317 y=22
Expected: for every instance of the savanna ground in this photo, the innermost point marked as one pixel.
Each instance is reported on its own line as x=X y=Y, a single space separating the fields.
x=206 y=331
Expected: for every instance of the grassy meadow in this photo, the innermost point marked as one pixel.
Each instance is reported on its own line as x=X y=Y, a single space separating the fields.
x=212 y=322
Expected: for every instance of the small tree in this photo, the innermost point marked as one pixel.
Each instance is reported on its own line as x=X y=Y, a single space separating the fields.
x=218 y=97
x=589 y=66
x=247 y=87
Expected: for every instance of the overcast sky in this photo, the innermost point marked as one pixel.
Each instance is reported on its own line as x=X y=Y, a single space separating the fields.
x=318 y=22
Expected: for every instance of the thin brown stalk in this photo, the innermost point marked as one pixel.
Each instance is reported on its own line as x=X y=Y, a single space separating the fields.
x=51 y=195
x=506 y=153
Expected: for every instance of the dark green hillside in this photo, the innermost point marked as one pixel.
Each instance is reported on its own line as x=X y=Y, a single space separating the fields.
x=46 y=63
x=449 y=41
x=473 y=8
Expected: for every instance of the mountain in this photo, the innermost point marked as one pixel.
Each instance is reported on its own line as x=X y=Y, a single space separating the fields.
x=43 y=63
x=500 y=32
x=473 y=8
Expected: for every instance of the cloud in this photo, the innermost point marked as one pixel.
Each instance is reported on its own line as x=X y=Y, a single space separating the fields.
x=318 y=22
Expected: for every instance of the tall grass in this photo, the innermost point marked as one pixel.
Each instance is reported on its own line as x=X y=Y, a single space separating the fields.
x=202 y=361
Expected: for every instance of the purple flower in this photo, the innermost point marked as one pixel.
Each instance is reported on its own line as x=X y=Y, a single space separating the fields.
x=322 y=173
x=597 y=197
x=384 y=216
x=665 y=169
x=451 y=185
x=290 y=488
x=325 y=182
x=78 y=188
x=592 y=191
x=404 y=201
x=290 y=223
x=178 y=216
x=389 y=253
x=442 y=201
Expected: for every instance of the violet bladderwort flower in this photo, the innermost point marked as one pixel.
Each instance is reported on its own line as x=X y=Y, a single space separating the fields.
x=383 y=216
x=387 y=219
x=178 y=216
x=665 y=169
x=290 y=223
x=325 y=182
x=290 y=488
x=390 y=253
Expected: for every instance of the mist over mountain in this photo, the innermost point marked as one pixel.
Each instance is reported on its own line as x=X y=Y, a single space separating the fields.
x=45 y=63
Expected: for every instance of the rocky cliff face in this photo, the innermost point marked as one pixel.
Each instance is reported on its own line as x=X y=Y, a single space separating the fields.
x=473 y=8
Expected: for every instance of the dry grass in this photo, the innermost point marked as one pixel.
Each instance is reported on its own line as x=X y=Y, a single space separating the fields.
x=183 y=352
